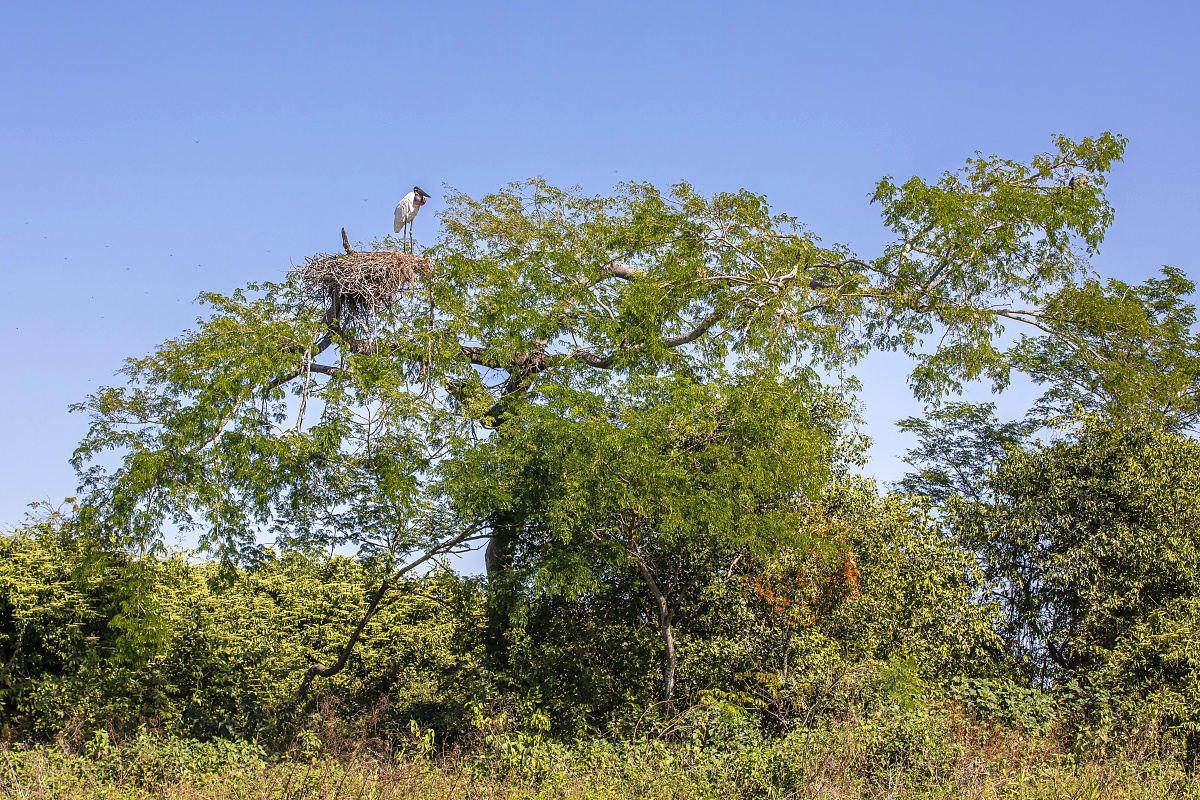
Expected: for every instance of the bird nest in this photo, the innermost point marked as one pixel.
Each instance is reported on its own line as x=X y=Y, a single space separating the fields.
x=360 y=285
x=365 y=282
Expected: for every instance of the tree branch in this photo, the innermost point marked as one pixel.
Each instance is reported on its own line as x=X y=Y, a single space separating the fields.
x=697 y=332
x=328 y=672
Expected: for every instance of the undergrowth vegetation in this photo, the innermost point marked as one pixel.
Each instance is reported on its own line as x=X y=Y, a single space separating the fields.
x=712 y=753
x=870 y=666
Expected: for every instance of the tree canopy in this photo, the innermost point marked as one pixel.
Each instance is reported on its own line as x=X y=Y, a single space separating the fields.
x=627 y=397
x=276 y=414
x=289 y=412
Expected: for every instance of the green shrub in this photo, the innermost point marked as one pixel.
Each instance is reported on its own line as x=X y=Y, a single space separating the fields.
x=213 y=653
x=1092 y=546
x=1000 y=700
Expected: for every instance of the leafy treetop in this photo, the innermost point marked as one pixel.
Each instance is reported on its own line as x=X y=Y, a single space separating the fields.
x=274 y=414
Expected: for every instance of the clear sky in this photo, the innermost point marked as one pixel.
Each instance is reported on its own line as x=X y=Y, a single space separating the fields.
x=151 y=151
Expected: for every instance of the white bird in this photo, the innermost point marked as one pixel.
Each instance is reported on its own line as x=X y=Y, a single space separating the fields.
x=406 y=211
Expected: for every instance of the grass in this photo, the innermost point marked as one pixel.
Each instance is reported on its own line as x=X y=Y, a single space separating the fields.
x=943 y=757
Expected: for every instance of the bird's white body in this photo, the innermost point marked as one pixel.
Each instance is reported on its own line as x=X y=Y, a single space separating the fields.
x=406 y=211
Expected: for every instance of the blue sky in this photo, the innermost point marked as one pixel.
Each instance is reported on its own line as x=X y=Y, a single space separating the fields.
x=154 y=151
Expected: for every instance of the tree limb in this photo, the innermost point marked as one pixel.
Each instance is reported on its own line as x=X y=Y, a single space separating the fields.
x=328 y=672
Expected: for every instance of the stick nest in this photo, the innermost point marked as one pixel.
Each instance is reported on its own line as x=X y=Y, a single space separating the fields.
x=366 y=282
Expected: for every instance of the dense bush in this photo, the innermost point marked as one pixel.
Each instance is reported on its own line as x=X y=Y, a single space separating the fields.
x=206 y=651
x=217 y=652
x=795 y=639
x=1092 y=547
x=882 y=616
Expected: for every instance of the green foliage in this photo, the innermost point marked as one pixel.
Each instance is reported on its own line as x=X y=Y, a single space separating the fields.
x=1001 y=700
x=622 y=320
x=855 y=762
x=230 y=648
x=590 y=664
x=228 y=431
x=1128 y=352
x=621 y=393
x=588 y=659
x=958 y=444
x=916 y=594
x=997 y=232
x=726 y=275
x=663 y=484
x=72 y=631
x=1090 y=545
x=548 y=290
x=663 y=467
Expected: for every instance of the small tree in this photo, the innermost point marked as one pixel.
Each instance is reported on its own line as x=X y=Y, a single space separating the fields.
x=659 y=481
x=1091 y=547
x=799 y=586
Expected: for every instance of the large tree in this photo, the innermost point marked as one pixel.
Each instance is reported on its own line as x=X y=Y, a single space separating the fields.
x=290 y=411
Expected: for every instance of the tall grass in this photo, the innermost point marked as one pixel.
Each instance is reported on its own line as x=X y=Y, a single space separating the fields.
x=943 y=756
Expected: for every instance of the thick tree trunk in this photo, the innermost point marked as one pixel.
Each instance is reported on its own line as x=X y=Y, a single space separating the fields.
x=665 y=615
x=498 y=558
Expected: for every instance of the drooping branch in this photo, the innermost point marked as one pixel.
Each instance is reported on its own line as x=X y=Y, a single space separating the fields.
x=376 y=605
x=340 y=664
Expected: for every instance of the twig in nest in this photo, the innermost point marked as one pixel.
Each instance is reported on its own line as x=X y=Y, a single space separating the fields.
x=366 y=282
